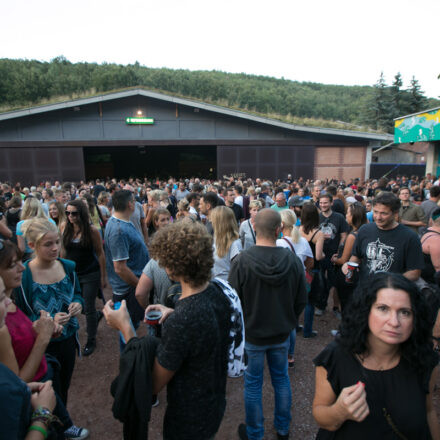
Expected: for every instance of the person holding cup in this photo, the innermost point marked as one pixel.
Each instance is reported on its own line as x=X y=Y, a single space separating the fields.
x=192 y=356
x=356 y=217
x=386 y=245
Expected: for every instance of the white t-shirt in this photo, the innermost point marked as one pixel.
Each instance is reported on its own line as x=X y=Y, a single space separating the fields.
x=302 y=248
x=239 y=201
x=222 y=265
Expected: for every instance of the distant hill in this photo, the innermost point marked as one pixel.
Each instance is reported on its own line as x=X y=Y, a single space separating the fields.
x=30 y=82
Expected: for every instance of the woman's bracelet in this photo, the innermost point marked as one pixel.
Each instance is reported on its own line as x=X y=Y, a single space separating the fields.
x=39 y=429
x=44 y=415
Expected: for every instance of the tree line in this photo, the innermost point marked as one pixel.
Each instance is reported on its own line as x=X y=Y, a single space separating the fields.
x=28 y=82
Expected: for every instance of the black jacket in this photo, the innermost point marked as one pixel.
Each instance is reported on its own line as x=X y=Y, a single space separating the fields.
x=132 y=389
x=270 y=282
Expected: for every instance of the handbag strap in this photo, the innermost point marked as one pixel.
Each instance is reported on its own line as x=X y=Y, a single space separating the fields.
x=290 y=244
x=252 y=231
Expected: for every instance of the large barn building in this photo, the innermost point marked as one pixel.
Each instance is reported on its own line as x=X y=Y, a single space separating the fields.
x=137 y=132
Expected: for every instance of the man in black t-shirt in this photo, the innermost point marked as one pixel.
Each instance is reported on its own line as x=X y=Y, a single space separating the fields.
x=335 y=229
x=229 y=201
x=386 y=245
x=338 y=204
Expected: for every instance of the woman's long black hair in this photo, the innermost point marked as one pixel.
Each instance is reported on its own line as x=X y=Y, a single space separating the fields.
x=84 y=225
x=309 y=217
x=354 y=330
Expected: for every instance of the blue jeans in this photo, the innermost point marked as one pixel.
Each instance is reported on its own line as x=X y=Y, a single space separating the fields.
x=309 y=313
x=253 y=384
x=134 y=310
x=292 y=341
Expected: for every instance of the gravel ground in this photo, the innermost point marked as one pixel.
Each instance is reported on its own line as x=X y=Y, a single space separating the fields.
x=90 y=401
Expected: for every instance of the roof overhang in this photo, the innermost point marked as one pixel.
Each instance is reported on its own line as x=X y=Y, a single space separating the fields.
x=195 y=104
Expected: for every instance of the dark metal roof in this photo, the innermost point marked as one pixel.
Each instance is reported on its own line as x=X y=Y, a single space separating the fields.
x=196 y=104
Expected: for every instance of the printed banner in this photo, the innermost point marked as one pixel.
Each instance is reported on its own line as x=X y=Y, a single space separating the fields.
x=418 y=128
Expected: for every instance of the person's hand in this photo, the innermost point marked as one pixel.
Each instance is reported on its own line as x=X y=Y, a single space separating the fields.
x=75 y=309
x=344 y=268
x=44 y=326
x=42 y=395
x=352 y=403
x=57 y=331
x=116 y=319
x=334 y=258
x=62 y=318
x=166 y=311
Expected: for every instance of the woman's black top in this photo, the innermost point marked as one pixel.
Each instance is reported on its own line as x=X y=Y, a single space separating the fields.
x=428 y=271
x=83 y=256
x=396 y=397
x=13 y=218
x=313 y=248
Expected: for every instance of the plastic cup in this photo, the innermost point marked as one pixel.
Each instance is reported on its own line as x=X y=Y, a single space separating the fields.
x=352 y=267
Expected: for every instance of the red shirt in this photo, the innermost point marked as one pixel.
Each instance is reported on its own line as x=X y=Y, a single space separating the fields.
x=23 y=339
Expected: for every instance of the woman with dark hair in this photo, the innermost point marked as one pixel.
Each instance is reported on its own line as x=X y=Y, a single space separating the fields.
x=356 y=217
x=13 y=215
x=376 y=380
x=310 y=230
x=82 y=244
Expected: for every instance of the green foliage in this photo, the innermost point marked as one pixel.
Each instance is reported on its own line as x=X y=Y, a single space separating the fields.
x=28 y=82
x=390 y=102
x=417 y=100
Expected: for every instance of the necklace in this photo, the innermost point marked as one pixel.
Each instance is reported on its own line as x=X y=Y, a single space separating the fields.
x=377 y=387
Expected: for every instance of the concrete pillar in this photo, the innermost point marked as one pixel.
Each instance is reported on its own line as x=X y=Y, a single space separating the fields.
x=368 y=157
x=432 y=159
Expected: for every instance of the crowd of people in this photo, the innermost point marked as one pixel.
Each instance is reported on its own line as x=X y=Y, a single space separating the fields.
x=235 y=270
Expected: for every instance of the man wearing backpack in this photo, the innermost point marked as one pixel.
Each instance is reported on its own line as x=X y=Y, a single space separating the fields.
x=193 y=356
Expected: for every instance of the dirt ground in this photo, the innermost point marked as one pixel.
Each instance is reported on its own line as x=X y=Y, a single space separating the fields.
x=90 y=401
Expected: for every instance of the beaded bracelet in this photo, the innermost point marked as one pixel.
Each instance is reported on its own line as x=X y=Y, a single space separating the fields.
x=44 y=415
x=39 y=429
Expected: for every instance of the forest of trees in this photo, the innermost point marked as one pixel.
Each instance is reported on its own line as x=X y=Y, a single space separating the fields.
x=30 y=82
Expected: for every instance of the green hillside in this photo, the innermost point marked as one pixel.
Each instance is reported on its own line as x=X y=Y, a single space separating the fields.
x=29 y=82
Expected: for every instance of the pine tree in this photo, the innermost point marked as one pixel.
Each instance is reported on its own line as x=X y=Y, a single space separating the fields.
x=381 y=111
x=396 y=96
x=417 y=100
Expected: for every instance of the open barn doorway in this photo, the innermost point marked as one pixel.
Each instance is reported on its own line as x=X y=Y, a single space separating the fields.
x=150 y=161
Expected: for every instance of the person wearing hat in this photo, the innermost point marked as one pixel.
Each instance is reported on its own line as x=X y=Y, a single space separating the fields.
x=295 y=204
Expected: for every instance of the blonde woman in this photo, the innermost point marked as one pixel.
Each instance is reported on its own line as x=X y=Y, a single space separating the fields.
x=149 y=209
x=31 y=209
x=247 y=228
x=298 y=245
x=183 y=209
x=103 y=200
x=227 y=243
x=57 y=214
x=51 y=284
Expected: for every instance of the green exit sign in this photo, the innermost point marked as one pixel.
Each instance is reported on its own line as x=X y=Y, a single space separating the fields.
x=137 y=121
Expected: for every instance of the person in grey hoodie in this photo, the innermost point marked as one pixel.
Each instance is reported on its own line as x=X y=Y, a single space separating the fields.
x=270 y=282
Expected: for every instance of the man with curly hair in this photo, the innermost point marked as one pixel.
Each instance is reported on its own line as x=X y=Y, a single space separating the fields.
x=192 y=357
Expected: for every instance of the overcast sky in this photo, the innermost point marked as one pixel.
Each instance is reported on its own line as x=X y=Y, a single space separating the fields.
x=333 y=42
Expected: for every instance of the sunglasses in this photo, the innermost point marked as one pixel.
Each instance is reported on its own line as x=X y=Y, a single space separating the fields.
x=72 y=213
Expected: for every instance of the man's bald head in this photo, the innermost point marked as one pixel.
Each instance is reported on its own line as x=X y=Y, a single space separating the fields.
x=267 y=224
